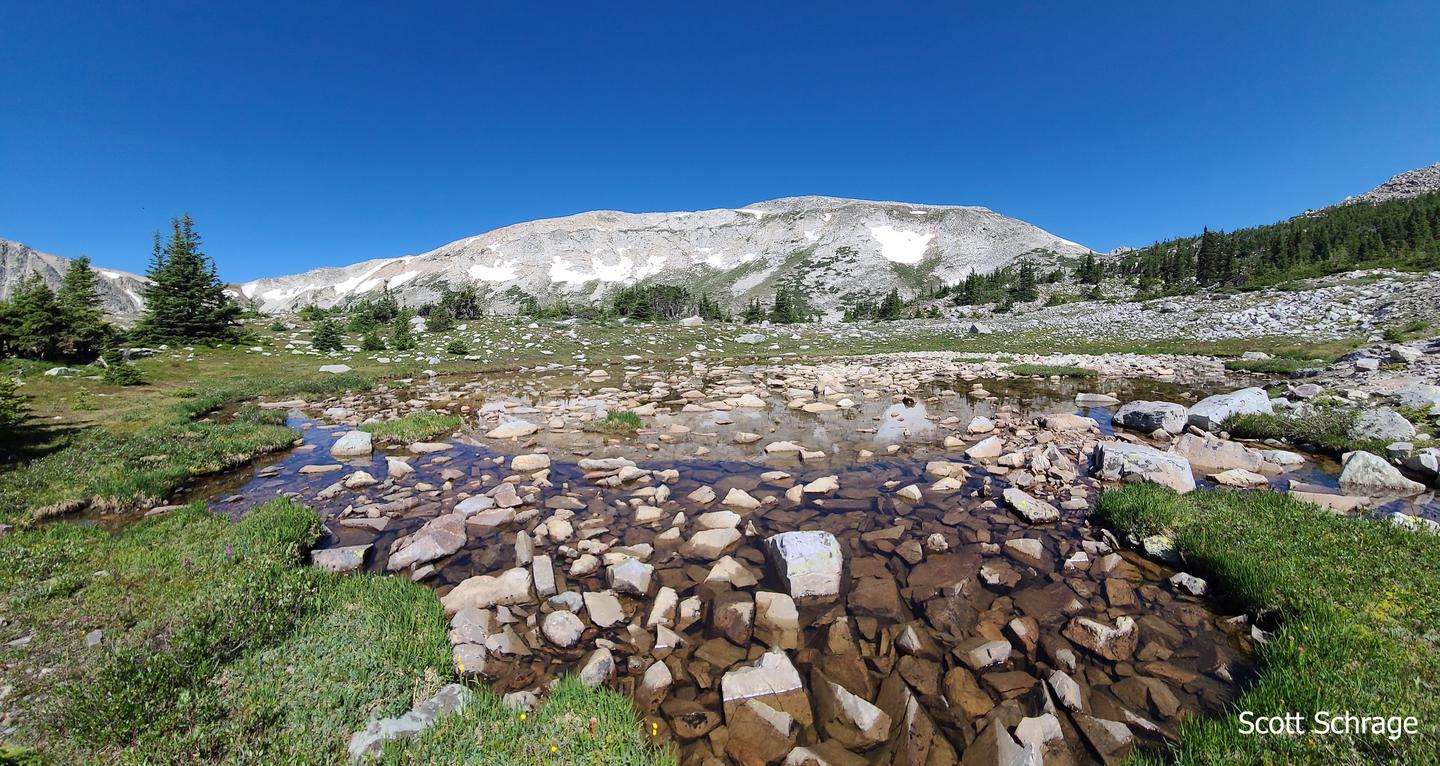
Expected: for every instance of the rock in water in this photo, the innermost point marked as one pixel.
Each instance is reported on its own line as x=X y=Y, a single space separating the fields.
x=1123 y=461
x=773 y=681
x=351 y=443
x=809 y=563
x=1033 y=511
x=1149 y=417
x=1369 y=472
x=1210 y=413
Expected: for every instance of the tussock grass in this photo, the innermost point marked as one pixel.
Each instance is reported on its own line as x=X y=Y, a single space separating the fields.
x=615 y=423
x=1278 y=365
x=1047 y=370
x=1326 y=429
x=1355 y=599
x=417 y=426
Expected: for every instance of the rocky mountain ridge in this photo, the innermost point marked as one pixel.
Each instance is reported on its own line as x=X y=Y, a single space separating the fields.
x=120 y=291
x=1409 y=184
x=834 y=250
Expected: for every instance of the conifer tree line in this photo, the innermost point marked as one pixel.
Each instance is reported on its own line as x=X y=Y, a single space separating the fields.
x=59 y=325
x=185 y=302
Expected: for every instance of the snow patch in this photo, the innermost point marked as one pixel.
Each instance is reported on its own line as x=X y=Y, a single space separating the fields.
x=759 y=214
x=900 y=246
x=500 y=272
x=401 y=279
x=810 y=235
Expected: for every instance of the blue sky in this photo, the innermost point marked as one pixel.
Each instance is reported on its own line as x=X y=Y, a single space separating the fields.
x=301 y=135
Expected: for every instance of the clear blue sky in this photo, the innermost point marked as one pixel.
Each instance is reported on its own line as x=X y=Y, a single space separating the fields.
x=306 y=134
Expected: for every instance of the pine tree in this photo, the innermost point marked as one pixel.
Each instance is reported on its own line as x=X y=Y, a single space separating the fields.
x=13 y=407
x=39 y=322
x=372 y=341
x=85 y=327
x=402 y=339
x=1208 y=266
x=439 y=320
x=891 y=307
x=185 y=301
x=754 y=313
x=327 y=336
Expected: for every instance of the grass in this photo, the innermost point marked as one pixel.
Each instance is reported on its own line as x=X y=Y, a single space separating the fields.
x=111 y=464
x=415 y=427
x=221 y=646
x=557 y=733
x=616 y=423
x=1050 y=370
x=1326 y=429
x=1273 y=365
x=1357 y=616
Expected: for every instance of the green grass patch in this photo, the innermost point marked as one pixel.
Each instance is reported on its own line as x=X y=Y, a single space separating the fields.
x=1049 y=370
x=222 y=646
x=1355 y=599
x=558 y=733
x=1277 y=365
x=114 y=465
x=1325 y=429
x=417 y=426
x=615 y=423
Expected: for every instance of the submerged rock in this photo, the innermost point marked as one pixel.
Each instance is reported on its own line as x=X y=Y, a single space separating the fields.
x=773 y=681
x=808 y=562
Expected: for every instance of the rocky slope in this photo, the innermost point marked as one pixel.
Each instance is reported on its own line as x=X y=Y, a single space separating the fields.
x=835 y=250
x=1412 y=183
x=120 y=290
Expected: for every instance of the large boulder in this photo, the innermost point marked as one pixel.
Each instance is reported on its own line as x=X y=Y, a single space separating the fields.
x=1382 y=424
x=1211 y=412
x=1220 y=454
x=808 y=562
x=1149 y=417
x=352 y=443
x=1123 y=461
x=1375 y=475
x=1418 y=395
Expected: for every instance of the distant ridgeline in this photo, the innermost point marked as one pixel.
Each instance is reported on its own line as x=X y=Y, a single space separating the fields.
x=1401 y=234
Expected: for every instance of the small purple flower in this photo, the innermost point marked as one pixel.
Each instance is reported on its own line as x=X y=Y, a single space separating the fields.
x=229 y=551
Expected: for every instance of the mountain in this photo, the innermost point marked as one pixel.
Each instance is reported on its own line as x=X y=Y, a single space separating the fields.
x=1413 y=183
x=835 y=250
x=120 y=291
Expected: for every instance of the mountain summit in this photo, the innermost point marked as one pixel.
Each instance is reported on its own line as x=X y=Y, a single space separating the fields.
x=835 y=250
x=1412 y=183
x=120 y=291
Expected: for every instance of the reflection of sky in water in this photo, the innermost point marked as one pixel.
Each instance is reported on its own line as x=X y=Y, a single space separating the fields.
x=898 y=420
